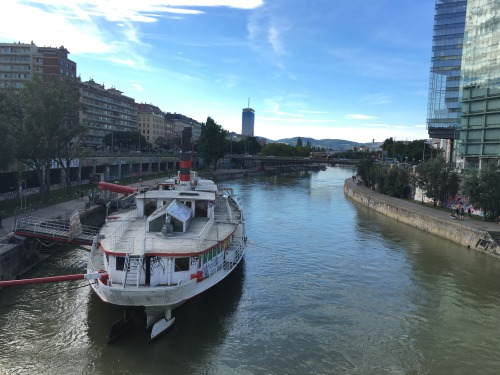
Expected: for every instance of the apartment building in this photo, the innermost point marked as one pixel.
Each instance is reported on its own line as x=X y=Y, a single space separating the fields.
x=175 y=122
x=151 y=122
x=105 y=110
x=19 y=62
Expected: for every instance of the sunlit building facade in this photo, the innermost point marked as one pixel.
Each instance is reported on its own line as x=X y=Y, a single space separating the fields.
x=20 y=62
x=480 y=83
x=105 y=111
x=151 y=122
x=443 y=109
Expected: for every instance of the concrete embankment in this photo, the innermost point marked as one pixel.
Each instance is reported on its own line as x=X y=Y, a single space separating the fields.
x=472 y=234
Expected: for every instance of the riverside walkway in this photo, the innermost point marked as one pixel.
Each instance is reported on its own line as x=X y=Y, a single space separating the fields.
x=466 y=232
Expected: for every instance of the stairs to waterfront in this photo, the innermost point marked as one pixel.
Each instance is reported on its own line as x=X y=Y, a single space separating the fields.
x=495 y=236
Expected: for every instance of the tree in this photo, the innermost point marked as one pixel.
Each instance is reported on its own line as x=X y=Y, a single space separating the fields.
x=212 y=144
x=436 y=181
x=483 y=189
x=70 y=132
x=278 y=149
x=10 y=114
x=130 y=139
x=45 y=125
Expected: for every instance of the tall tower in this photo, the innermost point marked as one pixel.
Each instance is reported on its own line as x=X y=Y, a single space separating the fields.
x=248 y=121
x=443 y=108
x=480 y=85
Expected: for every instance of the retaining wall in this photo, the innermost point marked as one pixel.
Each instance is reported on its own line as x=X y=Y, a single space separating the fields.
x=453 y=230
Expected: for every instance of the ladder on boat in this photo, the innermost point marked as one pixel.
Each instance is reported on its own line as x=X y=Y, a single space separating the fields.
x=133 y=268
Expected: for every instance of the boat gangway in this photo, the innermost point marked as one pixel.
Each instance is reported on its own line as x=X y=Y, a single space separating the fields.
x=56 y=230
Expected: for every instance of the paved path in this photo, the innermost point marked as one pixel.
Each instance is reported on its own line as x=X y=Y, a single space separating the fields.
x=428 y=211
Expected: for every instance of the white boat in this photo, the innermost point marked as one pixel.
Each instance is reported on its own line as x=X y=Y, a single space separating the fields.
x=176 y=243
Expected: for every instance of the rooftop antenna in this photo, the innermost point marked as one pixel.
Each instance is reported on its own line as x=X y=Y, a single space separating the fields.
x=248 y=102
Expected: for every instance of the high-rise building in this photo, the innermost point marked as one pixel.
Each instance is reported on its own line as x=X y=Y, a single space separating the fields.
x=19 y=62
x=248 y=122
x=443 y=109
x=480 y=85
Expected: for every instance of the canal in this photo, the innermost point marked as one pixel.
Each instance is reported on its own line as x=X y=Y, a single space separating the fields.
x=326 y=287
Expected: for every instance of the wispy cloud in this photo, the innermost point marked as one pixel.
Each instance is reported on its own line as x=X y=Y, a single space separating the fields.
x=375 y=99
x=359 y=117
x=369 y=125
x=312 y=112
x=138 y=87
x=96 y=27
x=296 y=120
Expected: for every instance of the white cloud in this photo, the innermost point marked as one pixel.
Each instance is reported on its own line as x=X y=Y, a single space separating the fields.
x=79 y=26
x=377 y=125
x=138 y=87
x=376 y=99
x=359 y=117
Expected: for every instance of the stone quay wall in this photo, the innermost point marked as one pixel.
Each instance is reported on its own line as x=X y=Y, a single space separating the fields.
x=468 y=233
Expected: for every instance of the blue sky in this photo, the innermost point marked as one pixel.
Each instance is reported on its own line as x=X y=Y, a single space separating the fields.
x=352 y=69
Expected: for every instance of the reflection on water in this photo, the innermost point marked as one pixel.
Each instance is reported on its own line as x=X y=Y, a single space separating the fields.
x=327 y=286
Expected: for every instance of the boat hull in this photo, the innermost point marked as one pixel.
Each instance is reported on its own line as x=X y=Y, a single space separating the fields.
x=164 y=297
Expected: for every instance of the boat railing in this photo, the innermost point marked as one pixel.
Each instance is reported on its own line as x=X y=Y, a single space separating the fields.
x=236 y=252
x=93 y=253
x=232 y=258
x=125 y=268
x=213 y=266
x=38 y=224
x=118 y=232
x=204 y=233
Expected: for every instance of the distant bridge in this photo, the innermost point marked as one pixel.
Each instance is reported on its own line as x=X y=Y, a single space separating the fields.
x=289 y=160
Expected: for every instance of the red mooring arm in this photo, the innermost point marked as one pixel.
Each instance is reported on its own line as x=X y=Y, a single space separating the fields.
x=55 y=279
x=116 y=188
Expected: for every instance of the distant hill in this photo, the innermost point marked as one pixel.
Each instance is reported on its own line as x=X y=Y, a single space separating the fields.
x=327 y=144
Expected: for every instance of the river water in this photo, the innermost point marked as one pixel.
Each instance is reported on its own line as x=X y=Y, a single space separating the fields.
x=326 y=287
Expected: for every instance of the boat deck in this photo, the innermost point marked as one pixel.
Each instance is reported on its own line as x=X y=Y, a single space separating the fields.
x=201 y=235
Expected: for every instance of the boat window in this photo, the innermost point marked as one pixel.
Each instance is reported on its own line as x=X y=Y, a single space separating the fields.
x=181 y=264
x=120 y=263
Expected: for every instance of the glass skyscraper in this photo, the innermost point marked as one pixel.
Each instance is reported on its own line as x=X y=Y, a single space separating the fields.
x=443 y=109
x=480 y=85
x=248 y=122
